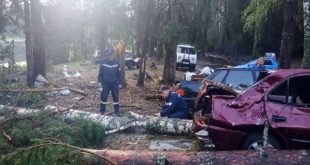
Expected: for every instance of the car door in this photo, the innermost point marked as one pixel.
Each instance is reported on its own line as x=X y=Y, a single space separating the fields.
x=287 y=114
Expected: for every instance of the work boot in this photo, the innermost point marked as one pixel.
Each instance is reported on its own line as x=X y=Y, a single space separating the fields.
x=102 y=109
x=118 y=114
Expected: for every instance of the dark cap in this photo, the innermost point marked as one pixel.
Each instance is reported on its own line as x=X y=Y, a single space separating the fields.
x=110 y=52
x=163 y=88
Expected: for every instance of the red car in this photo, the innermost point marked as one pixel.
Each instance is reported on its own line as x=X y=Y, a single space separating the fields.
x=236 y=121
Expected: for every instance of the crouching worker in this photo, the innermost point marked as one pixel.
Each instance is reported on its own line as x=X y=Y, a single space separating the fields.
x=175 y=106
x=111 y=79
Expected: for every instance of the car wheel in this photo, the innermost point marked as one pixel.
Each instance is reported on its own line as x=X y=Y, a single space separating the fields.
x=255 y=141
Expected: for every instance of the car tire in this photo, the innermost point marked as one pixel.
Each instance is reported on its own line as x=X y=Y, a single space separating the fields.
x=255 y=140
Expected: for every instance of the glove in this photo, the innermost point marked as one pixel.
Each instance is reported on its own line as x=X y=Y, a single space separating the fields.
x=99 y=86
x=157 y=114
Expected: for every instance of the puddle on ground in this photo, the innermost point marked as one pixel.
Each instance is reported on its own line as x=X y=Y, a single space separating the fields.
x=139 y=138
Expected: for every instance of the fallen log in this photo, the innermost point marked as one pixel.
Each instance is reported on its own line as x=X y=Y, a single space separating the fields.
x=83 y=93
x=112 y=124
x=29 y=90
x=163 y=124
x=208 y=157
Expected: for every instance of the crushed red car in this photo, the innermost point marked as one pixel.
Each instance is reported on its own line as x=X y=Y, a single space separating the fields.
x=280 y=101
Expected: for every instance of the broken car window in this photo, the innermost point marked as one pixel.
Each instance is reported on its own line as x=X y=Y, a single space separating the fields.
x=299 y=89
x=279 y=93
x=218 y=76
x=240 y=78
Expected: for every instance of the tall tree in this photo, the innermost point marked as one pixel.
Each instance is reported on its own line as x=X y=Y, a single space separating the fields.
x=290 y=9
x=306 y=58
x=171 y=37
x=39 y=52
x=145 y=13
x=28 y=42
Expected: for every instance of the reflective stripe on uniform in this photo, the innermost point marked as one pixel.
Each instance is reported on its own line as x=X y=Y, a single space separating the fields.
x=116 y=103
x=168 y=104
x=105 y=103
x=110 y=66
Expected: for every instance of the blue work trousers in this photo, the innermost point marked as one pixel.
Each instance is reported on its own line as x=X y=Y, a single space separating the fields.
x=179 y=115
x=106 y=88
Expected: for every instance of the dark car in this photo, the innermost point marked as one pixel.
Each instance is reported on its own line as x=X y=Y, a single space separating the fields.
x=280 y=104
x=238 y=79
x=132 y=61
x=99 y=56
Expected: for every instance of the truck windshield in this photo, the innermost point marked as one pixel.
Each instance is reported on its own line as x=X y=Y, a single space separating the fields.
x=187 y=50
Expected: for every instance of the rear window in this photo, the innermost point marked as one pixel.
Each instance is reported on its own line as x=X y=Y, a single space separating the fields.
x=218 y=75
x=187 y=50
x=237 y=78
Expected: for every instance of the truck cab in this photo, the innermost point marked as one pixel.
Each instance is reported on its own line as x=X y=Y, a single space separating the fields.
x=186 y=57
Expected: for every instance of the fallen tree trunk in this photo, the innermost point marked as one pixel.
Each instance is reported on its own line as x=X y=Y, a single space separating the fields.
x=208 y=157
x=113 y=124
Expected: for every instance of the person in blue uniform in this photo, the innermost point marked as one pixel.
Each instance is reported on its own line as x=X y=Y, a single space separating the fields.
x=111 y=79
x=175 y=106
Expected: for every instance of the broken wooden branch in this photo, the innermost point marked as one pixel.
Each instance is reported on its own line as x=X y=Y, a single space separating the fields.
x=77 y=91
x=149 y=76
x=29 y=90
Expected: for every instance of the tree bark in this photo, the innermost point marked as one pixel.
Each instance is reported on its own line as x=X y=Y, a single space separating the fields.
x=306 y=58
x=39 y=52
x=113 y=124
x=290 y=15
x=28 y=42
x=170 y=64
x=207 y=157
x=147 y=18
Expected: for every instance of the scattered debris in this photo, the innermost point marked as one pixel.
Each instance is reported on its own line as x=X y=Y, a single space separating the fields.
x=206 y=71
x=153 y=66
x=70 y=74
x=167 y=145
x=40 y=82
x=65 y=92
x=188 y=75
x=80 y=92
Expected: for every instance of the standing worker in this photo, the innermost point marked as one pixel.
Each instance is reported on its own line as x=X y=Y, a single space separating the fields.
x=110 y=79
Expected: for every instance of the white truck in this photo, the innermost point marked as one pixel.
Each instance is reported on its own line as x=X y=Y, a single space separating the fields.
x=186 y=57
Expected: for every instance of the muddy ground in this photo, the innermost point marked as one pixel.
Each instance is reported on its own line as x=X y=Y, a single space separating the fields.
x=132 y=98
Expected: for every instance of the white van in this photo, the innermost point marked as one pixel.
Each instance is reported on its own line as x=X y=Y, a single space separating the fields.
x=186 y=57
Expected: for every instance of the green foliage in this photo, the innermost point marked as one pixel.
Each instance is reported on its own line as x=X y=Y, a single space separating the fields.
x=32 y=137
x=81 y=133
x=6 y=51
x=41 y=154
x=256 y=14
x=23 y=99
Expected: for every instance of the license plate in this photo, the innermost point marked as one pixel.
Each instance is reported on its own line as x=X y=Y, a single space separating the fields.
x=185 y=62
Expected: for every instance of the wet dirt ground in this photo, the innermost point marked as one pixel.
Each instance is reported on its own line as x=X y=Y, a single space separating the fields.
x=132 y=98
